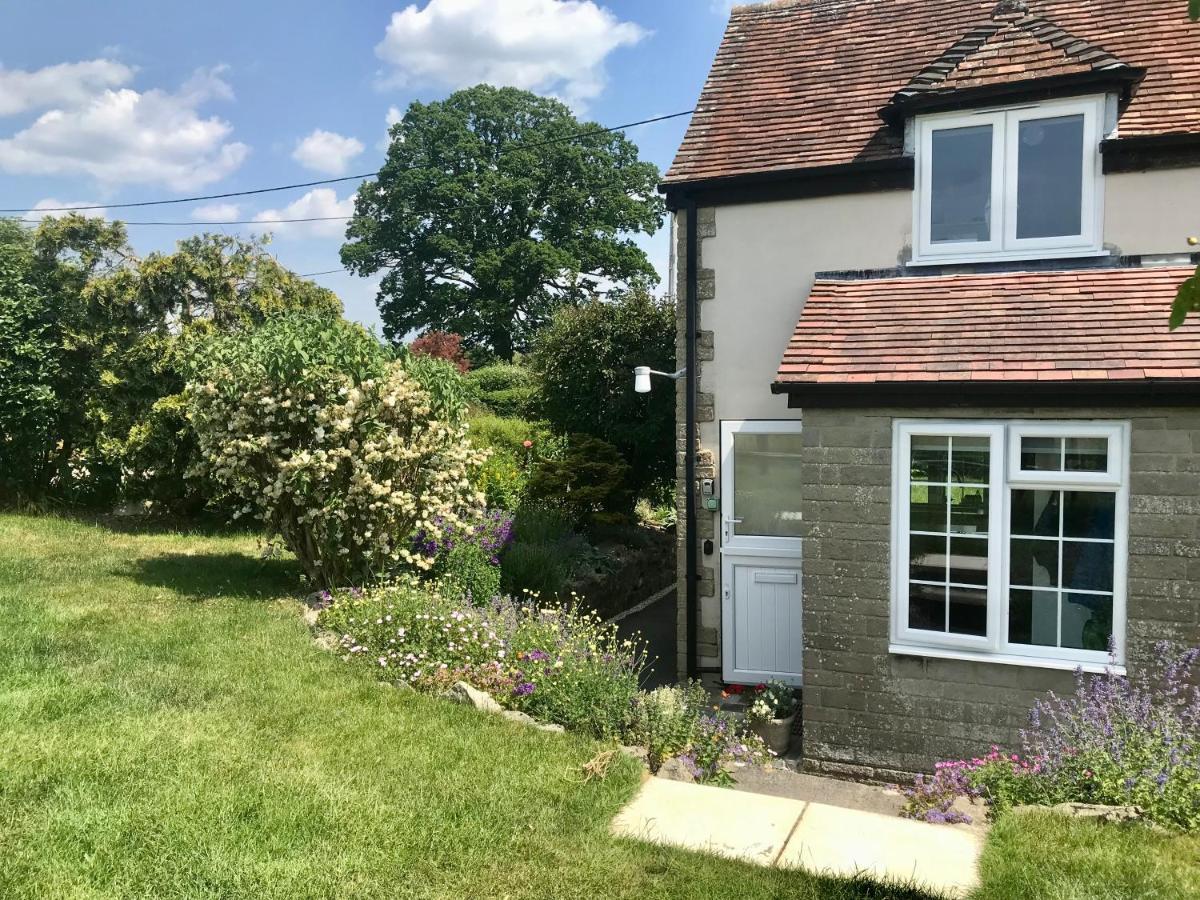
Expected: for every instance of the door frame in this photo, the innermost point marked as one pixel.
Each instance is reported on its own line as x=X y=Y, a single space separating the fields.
x=759 y=550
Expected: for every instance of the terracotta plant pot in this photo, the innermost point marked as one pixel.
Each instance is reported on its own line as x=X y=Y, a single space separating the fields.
x=776 y=733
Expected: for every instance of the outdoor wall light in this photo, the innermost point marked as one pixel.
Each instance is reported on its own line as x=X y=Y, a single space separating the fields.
x=641 y=377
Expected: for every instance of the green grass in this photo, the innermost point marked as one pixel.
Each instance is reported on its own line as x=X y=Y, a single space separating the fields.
x=167 y=729
x=1055 y=858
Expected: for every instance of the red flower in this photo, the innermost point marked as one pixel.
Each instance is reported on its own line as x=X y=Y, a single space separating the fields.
x=761 y=687
x=527 y=444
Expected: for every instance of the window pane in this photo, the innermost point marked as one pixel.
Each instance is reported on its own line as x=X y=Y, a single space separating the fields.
x=969 y=510
x=961 y=190
x=766 y=484
x=930 y=458
x=1041 y=454
x=927 y=508
x=1089 y=514
x=927 y=557
x=1033 y=618
x=968 y=560
x=968 y=611
x=1087 y=566
x=1086 y=621
x=1050 y=177
x=1033 y=563
x=970 y=460
x=927 y=607
x=1087 y=455
x=1034 y=512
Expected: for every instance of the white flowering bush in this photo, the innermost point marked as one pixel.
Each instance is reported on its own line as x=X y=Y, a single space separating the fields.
x=311 y=427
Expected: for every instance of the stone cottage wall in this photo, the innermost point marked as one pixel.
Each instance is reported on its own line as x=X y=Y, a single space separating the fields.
x=868 y=713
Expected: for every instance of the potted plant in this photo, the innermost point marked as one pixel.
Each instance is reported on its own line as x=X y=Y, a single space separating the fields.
x=771 y=712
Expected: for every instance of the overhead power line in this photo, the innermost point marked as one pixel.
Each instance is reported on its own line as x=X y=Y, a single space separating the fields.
x=185 y=222
x=326 y=272
x=306 y=184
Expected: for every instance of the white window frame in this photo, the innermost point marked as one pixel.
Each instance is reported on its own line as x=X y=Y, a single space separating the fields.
x=1004 y=244
x=1005 y=477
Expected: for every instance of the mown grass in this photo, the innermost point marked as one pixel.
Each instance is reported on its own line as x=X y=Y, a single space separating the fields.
x=167 y=730
x=1056 y=858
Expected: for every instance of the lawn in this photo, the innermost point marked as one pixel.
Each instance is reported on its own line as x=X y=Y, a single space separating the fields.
x=167 y=729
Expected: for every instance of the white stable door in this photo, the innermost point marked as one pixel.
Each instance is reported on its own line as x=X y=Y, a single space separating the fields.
x=761 y=596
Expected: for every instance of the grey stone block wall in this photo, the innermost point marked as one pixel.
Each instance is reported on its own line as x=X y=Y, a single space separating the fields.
x=867 y=713
x=707 y=638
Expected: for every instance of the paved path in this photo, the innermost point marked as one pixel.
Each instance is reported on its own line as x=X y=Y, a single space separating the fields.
x=793 y=833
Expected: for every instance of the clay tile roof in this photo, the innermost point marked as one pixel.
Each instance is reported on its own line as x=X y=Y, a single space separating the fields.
x=1012 y=45
x=799 y=83
x=1083 y=326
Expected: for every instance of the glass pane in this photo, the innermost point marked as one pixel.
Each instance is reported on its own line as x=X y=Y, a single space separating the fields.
x=927 y=557
x=970 y=460
x=1033 y=563
x=927 y=508
x=1087 y=566
x=1089 y=514
x=969 y=510
x=1087 y=455
x=1086 y=621
x=930 y=458
x=1041 y=454
x=968 y=611
x=968 y=560
x=1033 y=618
x=1050 y=177
x=927 y=607
x=766 y=484
x=960 y=196
x=1034 y=512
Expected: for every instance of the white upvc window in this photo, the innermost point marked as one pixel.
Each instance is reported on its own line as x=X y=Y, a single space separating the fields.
x=1009 y=541
x=1018 y=183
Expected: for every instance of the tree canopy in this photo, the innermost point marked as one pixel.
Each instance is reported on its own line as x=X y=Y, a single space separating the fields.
x=495 y=207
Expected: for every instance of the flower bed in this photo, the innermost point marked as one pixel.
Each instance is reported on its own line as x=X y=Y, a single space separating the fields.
x=557 y=663
x=1115 y=742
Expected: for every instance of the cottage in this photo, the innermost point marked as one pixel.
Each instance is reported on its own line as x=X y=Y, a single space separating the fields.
x=938 y=447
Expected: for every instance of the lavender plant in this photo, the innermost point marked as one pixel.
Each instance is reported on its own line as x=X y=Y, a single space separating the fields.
x=1115 y=741
x=719 y=744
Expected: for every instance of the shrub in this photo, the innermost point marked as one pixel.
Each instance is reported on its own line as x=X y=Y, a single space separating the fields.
x=556 y=663
x=585 y=359
x=333 y=446
x=504 y=388
x=718 y=744
x=516 y=445
x=591 y=482
x=544 y=554
x=1116 y=741
x=442 y=345
x=469 y=573
x=448 y=392
x=665 y=721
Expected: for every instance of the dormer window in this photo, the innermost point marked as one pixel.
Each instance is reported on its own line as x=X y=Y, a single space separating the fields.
x=1004 y=184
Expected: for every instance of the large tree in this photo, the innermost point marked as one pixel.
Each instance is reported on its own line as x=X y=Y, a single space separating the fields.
x=494 y=208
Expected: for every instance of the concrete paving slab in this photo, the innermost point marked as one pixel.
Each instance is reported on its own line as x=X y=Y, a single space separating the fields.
x=838 y=841
x=752 y=827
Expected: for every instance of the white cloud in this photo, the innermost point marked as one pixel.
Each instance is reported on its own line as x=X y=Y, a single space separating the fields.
x=326 y=151
x=393 y=116
x=548 y=46
x=40 y=209
x=216 y=212
x=65 y=84
x=725 y=7
x=130 y=137
x=317 y=203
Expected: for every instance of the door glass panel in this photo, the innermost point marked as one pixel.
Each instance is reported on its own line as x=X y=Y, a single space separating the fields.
x=961 y=190
x=1033 y=563
x=767 y=484
x=1089 y=514
x=1050 y=177
x=968 y=560
x=969 y=510
x=1035 y=513
x=930 y=457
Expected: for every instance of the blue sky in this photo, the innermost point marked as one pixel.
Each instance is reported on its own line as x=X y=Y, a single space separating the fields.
x=135 y=100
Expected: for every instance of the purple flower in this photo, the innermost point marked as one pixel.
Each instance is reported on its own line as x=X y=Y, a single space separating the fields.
x=524 y=689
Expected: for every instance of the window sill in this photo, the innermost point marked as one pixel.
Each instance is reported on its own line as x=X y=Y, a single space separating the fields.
x=965 y=259
x=1004 y=659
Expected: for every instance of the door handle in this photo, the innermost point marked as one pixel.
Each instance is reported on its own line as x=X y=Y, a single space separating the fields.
x=730 y=521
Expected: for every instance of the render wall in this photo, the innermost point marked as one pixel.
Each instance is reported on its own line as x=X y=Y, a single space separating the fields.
x=867 y=712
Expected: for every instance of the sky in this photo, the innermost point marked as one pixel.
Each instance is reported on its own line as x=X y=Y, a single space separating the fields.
x=133 y=100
